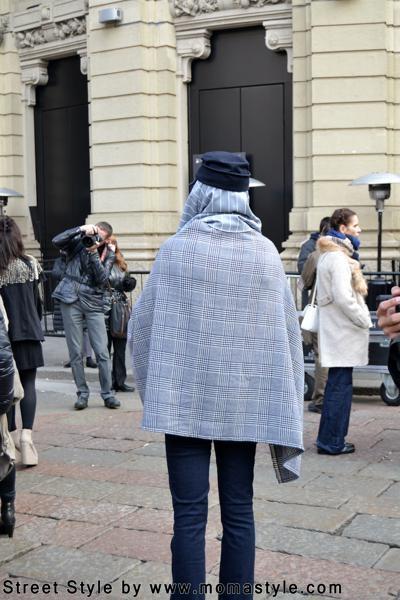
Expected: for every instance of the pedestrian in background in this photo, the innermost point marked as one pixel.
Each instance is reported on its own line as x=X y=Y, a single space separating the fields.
x=82 y=296
x=57 y=273
x=344 y=322
x=120 y=283
x=19 y=288
x=217 y=358
x=307 y=268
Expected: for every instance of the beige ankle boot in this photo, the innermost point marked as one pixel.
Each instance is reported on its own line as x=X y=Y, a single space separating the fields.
x=16 y=436
x=29 y=455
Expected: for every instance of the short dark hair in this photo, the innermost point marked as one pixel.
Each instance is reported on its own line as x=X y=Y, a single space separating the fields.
x=106 y=226
x=341 y=216
x=324 y=225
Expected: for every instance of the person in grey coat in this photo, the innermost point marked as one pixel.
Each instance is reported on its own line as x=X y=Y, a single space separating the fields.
x=82 y=296
x=307 y=249
x=217 y=359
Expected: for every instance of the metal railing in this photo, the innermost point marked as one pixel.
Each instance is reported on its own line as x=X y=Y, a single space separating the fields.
x=48 y=285
x=379 y=283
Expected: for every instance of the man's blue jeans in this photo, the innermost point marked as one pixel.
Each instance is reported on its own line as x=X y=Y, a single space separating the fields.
x=188 y=462
x=336 y=410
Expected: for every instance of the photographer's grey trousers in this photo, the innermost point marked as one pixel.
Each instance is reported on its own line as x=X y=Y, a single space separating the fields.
x=75 y=318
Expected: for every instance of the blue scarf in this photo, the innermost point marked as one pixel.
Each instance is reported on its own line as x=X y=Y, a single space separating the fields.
x=355 y=242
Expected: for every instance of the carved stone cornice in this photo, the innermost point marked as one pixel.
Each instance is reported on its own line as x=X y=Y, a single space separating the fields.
x=278 y=36
x=33 y=73
x=83 y=61
x=192 y=8
x=3 y=28
x=51 y=32
x=190 y=45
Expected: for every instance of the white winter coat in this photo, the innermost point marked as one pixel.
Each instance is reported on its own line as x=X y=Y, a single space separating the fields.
x=344 y=318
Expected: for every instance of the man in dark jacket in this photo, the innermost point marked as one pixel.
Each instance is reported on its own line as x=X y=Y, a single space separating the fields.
x=321 y=374
x=82 y=297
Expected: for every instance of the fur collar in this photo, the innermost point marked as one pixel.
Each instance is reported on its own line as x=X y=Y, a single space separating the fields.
x=330 y=244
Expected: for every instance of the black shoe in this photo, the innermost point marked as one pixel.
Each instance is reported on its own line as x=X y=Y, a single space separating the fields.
x=348 y=448
x=81 y=403
x=67 y=365
x=7 y=518
x=312 y=407
x=124 y=388
x=112 y=402
x=92 y=364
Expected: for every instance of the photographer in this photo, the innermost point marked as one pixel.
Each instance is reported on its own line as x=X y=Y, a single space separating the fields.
x=83 y=301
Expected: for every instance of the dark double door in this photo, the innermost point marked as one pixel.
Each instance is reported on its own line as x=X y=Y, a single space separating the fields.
x=240 y=100
x=62 y=152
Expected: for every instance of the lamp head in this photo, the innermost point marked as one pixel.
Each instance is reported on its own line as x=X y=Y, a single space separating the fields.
x=5 y=194
x=378 y=186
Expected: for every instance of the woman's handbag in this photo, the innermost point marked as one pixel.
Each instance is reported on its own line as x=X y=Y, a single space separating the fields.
x=119 y=315
x=310 y=314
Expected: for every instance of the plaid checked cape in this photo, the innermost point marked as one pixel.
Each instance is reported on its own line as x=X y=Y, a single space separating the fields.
x=214 y=336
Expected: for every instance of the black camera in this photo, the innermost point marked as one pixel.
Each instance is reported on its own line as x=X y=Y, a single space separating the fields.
x=90 y=240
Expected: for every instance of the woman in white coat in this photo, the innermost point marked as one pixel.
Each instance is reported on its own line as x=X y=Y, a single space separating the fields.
x=344 y=322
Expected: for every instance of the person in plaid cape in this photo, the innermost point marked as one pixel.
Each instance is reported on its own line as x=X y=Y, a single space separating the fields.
x=217 y=359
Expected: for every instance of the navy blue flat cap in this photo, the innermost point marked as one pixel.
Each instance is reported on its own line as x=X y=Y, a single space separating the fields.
x=224 y=170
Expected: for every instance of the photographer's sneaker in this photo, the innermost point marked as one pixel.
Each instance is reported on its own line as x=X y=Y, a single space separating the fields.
x=112 y=402
x=81 y=403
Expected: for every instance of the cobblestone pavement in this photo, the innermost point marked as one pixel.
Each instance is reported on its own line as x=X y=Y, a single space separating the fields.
x=97 y=510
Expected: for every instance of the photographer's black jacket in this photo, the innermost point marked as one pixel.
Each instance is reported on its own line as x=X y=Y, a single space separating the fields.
x=85 y=277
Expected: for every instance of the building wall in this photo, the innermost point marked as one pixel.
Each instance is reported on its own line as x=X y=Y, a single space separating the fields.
x=132 y=88
x=346 y=117
x=346 y=114
x=11 y=120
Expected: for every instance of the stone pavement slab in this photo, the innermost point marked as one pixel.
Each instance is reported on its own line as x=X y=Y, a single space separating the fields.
x=82 y=456
x=381 y=505
x=141 y=495
x=76 y=488
x=390 y=561
x=12 y=548
x=60 y=533
x=308 y=496
x=61 y=505
x=73 y=509
x=65 y=564
x=337 y=580
x=375 y=529
x=306 y=517
x=319 y=545
x=149 y=519
x=393 y=491
x=350 y=484
x=388 y=469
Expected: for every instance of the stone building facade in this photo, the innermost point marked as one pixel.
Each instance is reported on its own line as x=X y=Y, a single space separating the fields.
x=342 y=62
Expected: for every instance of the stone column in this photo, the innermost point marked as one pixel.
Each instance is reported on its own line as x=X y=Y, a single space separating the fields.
x=11 y=126
x=132 y=89
x=345 y=116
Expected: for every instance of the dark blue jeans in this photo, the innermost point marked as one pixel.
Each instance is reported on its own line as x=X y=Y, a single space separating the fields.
x=188 y=462
x=336 y=409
